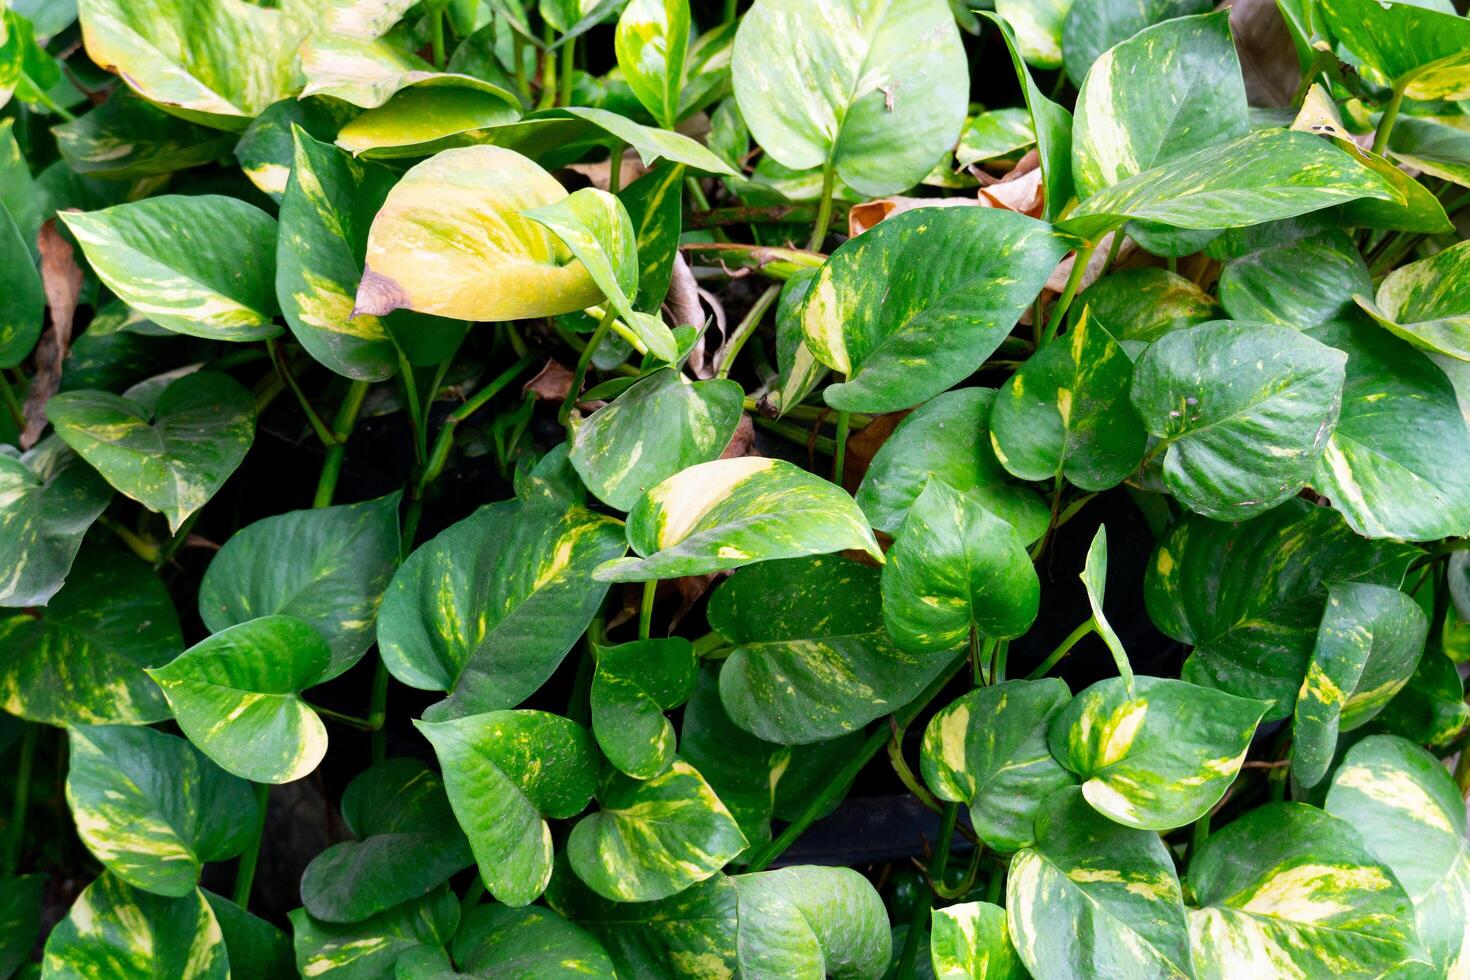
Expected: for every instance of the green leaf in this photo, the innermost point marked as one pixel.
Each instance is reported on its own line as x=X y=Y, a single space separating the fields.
x=993 y=134
x=1249 y=597
x=488 y=608
x=241 y=57
x=877 y=94
x=595 y=227
x=82 y=661
x=257 y=949
x=811 y=659
x=20 y=919
x=1093 y=28
x=1095 y=581
x=407 y=845
x=506 y=771
x=327 y=567
x=496 y=941
x=800 y=372
x=1093 y=898
x=652 y=43
x=810 y=922
x=1368 y=646
x=128 y=137
x=973 y=942
x=1138 y=306
x=655 y=206
x=1298 y=280
x=731 y=512
x=115 y=930
x=369 y=950
x=955 y=567
x=634 y=685
x=1156 y=754
x=916 y=304
x=655 y=429
x=653 y=838
x=22 y=304
x=1243 y=413
x=988 y=750
x=48 y=500
x=171 y=459
x=1439 y=150
x=1289 y=890
x=368 y=73
x=1412 y=818
x=267 y=149
x=1065 y=412
x=200 y=265
x=1167 y=91
x=945 y=439
x=1395 y=462
x=1038 y=27
x=1266 y=175
x=649 y=143
x=152 y=808
x=236 y=696
x=1053 y=127
x=1427 y=302
x=1422 y=51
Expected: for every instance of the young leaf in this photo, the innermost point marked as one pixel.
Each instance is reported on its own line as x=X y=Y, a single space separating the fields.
x=116 y=930
x=236 y=696
x=955 y=567
x=22 y=303
x=373 y=947
x=507 y=771
x=152 y=808
x=1093 y=898
x=655 y=429
x=653 y=838
x=1243 y=412
x=1427 y=302
x=732 y=512
x=876 y=94
x=171 y=457
x=1095 y=581
x=652 y=43
x=1368 y=646
x=988 y=750
x=634 y=685
x=916 y=304
x=1052 y=125
x=973 y=942
x=1065 y=412
x=200 y=265
x=495 y=941
x=48 y=500
x=1157 y=756
x=1289 y=889
x=327 y=567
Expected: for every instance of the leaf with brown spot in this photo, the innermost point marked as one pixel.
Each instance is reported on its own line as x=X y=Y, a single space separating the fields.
x=61 y=279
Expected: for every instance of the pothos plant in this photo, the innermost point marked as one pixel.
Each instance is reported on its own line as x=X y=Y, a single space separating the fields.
x=470 y=506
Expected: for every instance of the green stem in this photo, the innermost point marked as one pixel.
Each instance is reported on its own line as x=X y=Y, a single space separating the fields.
x=518 y=49
x=1113 y=249
x=472 y=895
x=342 y=426
x=415 y=408
x=1386 y=121
x=645 y=610
x=824 y=207
x=436 y=25
x=839 y=443
x=568 y=70
x=906 y=774
x=603 y=326
x=444 y=441
x=16 y=840
x=47 y=101
x=745 y=329
x=1062 y=649
x=17 y=414
x=548 y=70
x=796 y=434
x=1200 y=835
x=730 y=14
x=1064 y=301
x=142 y=547
x=998 y=668
x=937 y=862
x=615 y=167
x=176 y=540
x=972 y=872
x=317 y=425
x=844 y=774
x=245 y=874
x=378 y=712
x=365 y=724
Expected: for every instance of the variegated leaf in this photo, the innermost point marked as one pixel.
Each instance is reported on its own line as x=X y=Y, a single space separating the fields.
x=171 y=455
x=809 y=921
x=22 y=304
x=989 y=751
x=128 y=137
x=152 y=808
x=1420 y=50
x=373 y=947
x=973 y=942
x=1242 y=412
x=800 y=371
x=48 y=500
x=955 y=568
x=1157 y=756
x=1052 y=125
x=916 y=304
x=367 y=73
x=652 y=43
x=1429 y=145
x=1093 y=898
x=653 y=838
x=1297 y=278
x=731 y=512
x=267 y=149
x=1038 y=26
x=1412 y=818
x=1138 y=306
x=496 y=941
x=997 y=132
x=1092 y=28
x=1288 y=890
x=1427 y=302
x=116 y=930
x=236 y=696
x=635 y=683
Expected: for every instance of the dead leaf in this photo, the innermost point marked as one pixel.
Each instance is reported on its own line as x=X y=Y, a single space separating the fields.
x=742 y=442
x=1268 y=60
x=864 y=444
x=551 y=384
x=1023 y=194
x=863 y=216
x=61 y=278
x=1058 y=280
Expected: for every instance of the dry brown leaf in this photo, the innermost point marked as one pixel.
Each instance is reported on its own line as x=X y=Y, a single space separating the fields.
x=742 y=442
x=61 y=278
x=864 y=216
x=551 y=384
x=1268 y=60
x=1023 y=194
x=864 y=444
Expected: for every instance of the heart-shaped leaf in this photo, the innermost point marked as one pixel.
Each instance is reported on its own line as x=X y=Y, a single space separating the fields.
x=731 y=512
x=48 y=499
x=1298 y=280
x=914 y=306
x=152 y=808
x=114 y=929
x=236 y=696
x=1092 y=28
x=973 y=942
x=200 y=265
x=653 y=838
x=1243 y=413
x=1427 y=302
x=21 y=301
x=494 y=941
x=1157 y=756
x=634 y=685
x=878 y=95
x=955 y=568
x=507 y=771
x=811 y=659
x=327 y=567
x=128 y=137
x=81 y=662
x=988 y=750
x=806 y=921
x=652 y=43
x=372 y=948
x=488 y=608
x=1368 y=646
x=1426 y=144
x=267 y=149
x=1095 y=898
x=171 y=459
